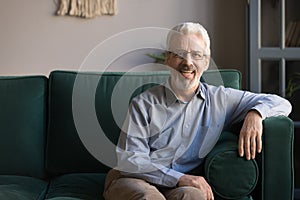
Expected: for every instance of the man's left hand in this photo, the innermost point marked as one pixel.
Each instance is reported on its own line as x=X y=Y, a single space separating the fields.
x=250 y=140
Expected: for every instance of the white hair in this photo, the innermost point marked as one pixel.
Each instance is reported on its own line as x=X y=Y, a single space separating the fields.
x=190 y=28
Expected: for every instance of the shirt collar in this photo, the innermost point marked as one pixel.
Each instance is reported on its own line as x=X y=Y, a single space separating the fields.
x=171 y=96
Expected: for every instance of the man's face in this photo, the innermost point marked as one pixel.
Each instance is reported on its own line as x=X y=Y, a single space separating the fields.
x=187 y=60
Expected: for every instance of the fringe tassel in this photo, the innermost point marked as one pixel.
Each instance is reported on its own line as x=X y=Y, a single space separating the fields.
x=87 y=8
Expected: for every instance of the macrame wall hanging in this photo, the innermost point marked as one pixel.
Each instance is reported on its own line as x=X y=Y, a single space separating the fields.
x=87 y=8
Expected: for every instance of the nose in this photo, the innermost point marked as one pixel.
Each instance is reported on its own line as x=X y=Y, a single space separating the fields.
x=187 y=60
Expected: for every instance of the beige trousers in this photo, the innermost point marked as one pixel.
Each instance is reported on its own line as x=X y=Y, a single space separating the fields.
x=118 y=187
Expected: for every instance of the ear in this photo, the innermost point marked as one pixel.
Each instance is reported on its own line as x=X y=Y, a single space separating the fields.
x=206 y=62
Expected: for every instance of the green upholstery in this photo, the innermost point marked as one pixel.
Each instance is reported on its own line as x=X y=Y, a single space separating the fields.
x=228 y=78
x=230 y=176
x=78 y=186
x=22 y=188
x=277 y=157
x=23 y=125
x=42 y=155
x=62 y=130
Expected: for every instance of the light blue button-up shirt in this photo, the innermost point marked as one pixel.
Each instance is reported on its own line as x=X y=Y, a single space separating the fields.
x=163 y=137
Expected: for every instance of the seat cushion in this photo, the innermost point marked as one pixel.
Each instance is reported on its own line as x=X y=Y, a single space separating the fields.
x=22 y=188
x=77 y=186
x=23 y=125
x=231 y=176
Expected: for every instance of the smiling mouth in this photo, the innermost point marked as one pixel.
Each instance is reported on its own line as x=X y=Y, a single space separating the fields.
x=188 y=74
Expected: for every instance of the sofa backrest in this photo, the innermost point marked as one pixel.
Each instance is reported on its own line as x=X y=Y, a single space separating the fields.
x=23 y=125
x=86 y=111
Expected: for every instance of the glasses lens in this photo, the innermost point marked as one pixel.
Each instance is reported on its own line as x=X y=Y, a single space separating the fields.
x=195 y=55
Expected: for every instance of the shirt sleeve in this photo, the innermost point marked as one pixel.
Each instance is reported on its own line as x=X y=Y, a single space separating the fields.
x=133 y=151
x=239 y=103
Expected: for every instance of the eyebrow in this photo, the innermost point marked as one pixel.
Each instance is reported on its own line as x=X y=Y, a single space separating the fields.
x=189 y=51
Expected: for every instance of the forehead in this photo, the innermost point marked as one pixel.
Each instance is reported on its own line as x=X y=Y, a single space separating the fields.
x=187 y=42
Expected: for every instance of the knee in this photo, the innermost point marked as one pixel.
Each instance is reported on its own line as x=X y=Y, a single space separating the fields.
x=132 y=189
x=189 y=193
x=136 y=195
x=148 y=195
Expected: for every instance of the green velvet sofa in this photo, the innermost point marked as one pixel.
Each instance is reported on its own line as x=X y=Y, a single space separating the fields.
x=57 y=137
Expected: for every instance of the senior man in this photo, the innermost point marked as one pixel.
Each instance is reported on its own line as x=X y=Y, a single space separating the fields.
x=171 y=128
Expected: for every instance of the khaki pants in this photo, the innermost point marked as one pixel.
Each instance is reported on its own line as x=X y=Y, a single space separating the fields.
x=118 y=187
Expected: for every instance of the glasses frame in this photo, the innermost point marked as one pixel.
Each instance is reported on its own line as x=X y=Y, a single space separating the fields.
x=182 y=54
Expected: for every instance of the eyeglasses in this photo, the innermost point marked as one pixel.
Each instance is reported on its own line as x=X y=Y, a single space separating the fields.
x=181 y=54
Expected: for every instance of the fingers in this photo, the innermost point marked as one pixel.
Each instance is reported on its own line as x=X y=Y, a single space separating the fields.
x=249 y=146
x=248 y=151
x=241 y=146
x=252 y=148
x=205 y=187
x=200 y=183
x=250 y=136
x=207 y=190
x=259 y=144
x=210 y=194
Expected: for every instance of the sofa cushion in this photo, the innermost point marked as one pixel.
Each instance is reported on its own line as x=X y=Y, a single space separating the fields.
x=83 y=106
x=23 y=125
x=22 y=188
x=228 y=78
x=65 y=151
x=77 y=186
x=231 y=176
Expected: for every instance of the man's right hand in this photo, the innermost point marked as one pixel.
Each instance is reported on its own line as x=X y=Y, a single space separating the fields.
x=197 y=182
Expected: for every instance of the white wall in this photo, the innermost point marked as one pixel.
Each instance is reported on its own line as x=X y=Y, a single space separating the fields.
x=35 y=41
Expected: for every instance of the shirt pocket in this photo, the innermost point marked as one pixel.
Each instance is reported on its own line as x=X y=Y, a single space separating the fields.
x=210 y=136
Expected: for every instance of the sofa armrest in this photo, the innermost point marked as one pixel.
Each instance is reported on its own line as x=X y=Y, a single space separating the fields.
x=277 y=158
x=229 y=175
